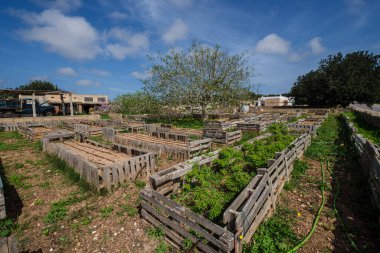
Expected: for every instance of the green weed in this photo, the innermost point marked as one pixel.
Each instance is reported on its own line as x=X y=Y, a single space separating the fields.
x=140 y=184
x=106 y=211
x=39 y=202
x=162 y=247
x=363 y=127
x=274 y=235
x=155 y=233
x=299 y=170
x=6 y=227
x=130 y=210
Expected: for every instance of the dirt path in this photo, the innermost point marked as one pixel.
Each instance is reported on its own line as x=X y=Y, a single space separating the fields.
x=55 y=212
x=353 y=203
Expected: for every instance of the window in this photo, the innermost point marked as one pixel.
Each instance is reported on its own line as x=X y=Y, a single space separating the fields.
x=88 y=99
x=103 y=100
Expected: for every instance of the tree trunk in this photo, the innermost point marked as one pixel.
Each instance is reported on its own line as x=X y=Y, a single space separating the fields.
x=204 y=115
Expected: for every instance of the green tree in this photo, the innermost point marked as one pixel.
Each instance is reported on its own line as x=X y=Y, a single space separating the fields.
x=341 y=80
x=135 y=103
x=39 y=85
x=201 y=76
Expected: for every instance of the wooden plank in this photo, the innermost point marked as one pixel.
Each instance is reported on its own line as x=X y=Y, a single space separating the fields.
x=177 y=228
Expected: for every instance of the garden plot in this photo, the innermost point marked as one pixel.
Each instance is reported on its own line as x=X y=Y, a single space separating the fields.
x=34 y=132
x=168 y=145
x=103 y=166
x=187 y=201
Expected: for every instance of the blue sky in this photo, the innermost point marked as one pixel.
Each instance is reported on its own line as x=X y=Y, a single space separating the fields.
x=100 y=47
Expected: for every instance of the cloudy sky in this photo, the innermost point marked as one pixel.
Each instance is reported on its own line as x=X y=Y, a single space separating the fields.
x=100 y=46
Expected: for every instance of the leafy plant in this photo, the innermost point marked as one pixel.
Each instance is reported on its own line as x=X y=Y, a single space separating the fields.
x=155 y=233
x=209 y=190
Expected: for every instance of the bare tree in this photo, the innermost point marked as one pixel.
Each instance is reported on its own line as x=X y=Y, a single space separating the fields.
x=201 y=76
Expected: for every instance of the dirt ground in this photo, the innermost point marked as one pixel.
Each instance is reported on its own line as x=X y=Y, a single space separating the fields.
x=353 y=205
x=92 y=222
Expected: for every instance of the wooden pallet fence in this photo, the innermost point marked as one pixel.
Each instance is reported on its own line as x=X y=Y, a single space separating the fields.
x=179 y=153
x=8 y=244
x=253 y=126
x=171 y=136
x=222 y=136
x=223 y=125
x=370 y=163
x=109 y=133
x=140 y=166
x=242 y=217
x=258 y=199
x=300 y=128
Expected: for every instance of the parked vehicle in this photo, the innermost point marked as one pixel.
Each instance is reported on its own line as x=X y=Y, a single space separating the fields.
x=16 y=106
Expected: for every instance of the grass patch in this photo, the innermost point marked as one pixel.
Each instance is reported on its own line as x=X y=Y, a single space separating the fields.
x=18 y=181
x=129 y=209
x=104 y=116
x=100 y=139
x=12 y=141
x=364 y=128
x=298 y=172
x=276 y=234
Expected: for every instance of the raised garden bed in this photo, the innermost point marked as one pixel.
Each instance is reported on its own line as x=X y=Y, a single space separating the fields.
x=239 y=220
x=34 y=132
x=103 y=166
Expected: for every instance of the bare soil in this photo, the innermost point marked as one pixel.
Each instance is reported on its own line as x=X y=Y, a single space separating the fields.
x=94 y=222
x=353 y=205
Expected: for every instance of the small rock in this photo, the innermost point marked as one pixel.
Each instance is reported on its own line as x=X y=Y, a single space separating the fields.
x=95 y=238
x=121 y=229
x=51 y=249
x=303 y=205
x=94 y=232
x=62 y=226
x=115 y=234
x=138 y=230
x=134 y=224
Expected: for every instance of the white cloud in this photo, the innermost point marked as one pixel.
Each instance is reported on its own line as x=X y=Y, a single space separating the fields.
x=178 y=31
x=63 y=5
x=70 y=36
x=67 y=71
x=100 y=72
x=125 y=43
x=141 y=75
x=116 y=15
x=87 y=83
x=273 y=44
x=316 y=46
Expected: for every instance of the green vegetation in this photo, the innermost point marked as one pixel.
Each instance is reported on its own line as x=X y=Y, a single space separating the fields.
x=209 y=190
x=129 y=209
x=323 y=144
x=295 y=118
x=340 y=80
x=12 y=141
x=6 y=227
x=106 y=211
x=184 y=122
x=100 y=139
x=276 y=234
x=298 y=172
x=364 y=128
x=140 y=184
x=104 y=116
x=157 y=234
x=58 y=210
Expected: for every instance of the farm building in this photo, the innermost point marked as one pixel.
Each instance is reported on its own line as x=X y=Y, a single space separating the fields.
x=82 y=103
x=275 y=101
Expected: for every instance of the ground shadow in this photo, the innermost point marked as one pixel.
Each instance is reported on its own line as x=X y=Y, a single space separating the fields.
x=358 y=228
x=13 y=202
